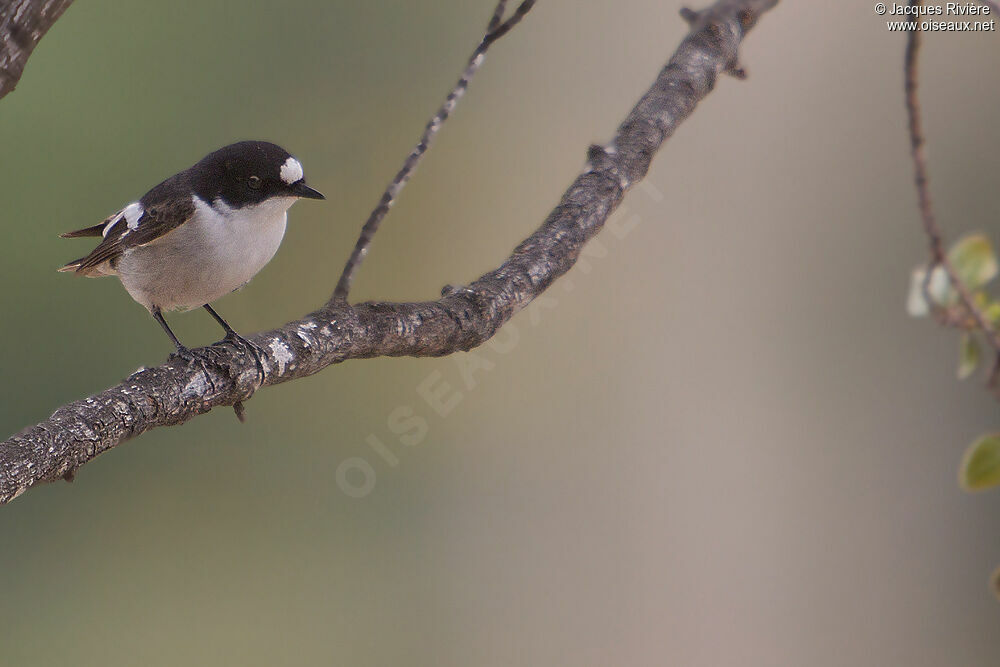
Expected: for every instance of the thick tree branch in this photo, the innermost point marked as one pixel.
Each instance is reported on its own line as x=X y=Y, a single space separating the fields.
x=22 y=25
x=462 y=319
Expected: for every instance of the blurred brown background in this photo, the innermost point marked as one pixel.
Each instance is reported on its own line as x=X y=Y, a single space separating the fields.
x=719 y=441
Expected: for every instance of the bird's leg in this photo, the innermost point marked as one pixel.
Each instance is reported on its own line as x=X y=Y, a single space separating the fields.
x=239 y=341
x=158 y=316
x=182 y=351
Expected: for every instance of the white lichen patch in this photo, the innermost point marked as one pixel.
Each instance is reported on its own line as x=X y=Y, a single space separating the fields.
x=291 y=171
x=196 y=386
x=281 y=354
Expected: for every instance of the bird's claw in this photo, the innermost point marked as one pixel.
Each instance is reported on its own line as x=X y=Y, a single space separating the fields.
x=255 y=350
x=201 y=357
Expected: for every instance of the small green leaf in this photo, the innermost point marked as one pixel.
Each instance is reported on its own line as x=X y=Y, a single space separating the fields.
x=968 y=356
x=992 y=311
x=974 y=260
x=980 y=467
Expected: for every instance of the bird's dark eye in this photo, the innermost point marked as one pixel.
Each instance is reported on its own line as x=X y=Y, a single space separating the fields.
x=254 y=182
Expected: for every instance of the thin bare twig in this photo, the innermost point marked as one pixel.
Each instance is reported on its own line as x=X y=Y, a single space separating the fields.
x=496 y=29
x=495 y=32
x=935 y=237
x=497 y=17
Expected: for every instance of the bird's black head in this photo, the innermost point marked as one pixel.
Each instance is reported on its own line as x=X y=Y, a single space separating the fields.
x=249 y=172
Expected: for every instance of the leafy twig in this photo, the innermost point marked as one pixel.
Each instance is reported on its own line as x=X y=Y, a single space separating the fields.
x=931 y=228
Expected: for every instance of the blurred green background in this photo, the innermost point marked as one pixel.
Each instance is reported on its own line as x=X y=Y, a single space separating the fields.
x=718 y=441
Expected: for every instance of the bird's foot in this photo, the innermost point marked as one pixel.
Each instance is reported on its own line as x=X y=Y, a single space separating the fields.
x=252 y=348
x=200 y=358
x=206 y=357
x=203 y=359
x=255 y=351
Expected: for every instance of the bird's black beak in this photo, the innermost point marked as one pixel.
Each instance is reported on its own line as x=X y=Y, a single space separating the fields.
x=300 y=189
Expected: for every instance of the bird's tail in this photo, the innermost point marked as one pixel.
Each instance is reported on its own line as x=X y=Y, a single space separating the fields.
x=74 y=266
x=99 y=271
x=96 y=230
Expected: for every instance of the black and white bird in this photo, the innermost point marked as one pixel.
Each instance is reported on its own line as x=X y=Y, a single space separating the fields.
x=200 y=234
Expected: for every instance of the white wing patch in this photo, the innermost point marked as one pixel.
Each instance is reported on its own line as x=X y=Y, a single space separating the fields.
x=130 y=214
x=291 y=171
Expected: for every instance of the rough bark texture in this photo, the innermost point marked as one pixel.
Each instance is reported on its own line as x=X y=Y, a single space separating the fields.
x=462 y=319
x=22 y=24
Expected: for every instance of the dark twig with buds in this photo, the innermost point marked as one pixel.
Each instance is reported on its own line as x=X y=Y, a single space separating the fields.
x=173 y=393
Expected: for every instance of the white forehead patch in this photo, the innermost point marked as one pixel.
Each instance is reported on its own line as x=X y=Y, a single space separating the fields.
x=291 y=171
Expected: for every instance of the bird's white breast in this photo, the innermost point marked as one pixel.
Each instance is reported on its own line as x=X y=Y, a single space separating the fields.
x=215 y=252
x=243 y=240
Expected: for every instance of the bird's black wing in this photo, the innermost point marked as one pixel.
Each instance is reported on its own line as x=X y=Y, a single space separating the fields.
x=159 y=216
